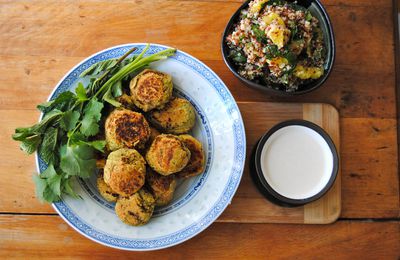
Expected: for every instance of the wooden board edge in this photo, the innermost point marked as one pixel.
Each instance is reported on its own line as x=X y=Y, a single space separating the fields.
x=327 y=209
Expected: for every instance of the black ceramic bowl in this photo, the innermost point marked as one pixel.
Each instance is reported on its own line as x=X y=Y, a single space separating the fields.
x=262 y=184
x=318 y=11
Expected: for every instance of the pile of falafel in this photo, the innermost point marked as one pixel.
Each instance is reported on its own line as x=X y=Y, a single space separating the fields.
x=149 y=148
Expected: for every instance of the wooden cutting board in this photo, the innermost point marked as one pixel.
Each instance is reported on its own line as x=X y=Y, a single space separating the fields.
x=248 y=205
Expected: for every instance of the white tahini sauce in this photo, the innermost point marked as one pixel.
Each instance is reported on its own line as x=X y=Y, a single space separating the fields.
x=297 y=162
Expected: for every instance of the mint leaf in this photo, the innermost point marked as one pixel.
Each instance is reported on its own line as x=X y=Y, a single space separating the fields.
x=47 y=119
x=69 y=119
x=62 y=102
x=24 y=133
x=81 y=92
x=30 y=144
x=51 y=115
x=78 y=160
x=45 y=106
x=47 y=149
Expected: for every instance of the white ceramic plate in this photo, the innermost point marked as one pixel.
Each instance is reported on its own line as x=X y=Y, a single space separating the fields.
x=198 y=201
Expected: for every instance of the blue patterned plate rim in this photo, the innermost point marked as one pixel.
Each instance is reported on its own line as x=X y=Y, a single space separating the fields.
x=224 y=200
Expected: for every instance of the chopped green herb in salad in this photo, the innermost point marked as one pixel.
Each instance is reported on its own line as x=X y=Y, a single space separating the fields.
x=277 y=43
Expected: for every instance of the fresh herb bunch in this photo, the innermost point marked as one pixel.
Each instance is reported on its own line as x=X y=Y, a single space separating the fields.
x=66 y=136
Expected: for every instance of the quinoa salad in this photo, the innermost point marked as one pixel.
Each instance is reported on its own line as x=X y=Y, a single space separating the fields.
x=278 y=44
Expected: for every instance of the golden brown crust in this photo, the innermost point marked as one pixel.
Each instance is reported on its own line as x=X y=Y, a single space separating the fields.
x=125 y=171
x=177 y=117
x=151 y=89
x=105 y=191
x=196 y=162
x=162 y=187
x=167 y=154
x=126 y=129
x=135 y=210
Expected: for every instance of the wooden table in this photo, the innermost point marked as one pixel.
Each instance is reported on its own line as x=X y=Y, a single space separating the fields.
x=42 y=40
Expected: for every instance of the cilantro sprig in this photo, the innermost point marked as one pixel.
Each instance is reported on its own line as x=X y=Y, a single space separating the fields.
x=65 y=138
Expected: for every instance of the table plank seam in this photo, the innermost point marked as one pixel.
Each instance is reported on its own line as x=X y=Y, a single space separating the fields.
x=218 y=221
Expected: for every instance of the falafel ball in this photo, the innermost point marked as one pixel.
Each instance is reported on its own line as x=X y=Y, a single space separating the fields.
x=151 y=89
x=167 y=154
x=137 y=209
x=177 y=117
x=162 y=187
x=125 y=171
x=105 y=191
x=126 y=129
x=196 y=162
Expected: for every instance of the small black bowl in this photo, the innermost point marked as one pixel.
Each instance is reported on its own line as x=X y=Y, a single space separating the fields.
x=318 y=11
x=261 y=182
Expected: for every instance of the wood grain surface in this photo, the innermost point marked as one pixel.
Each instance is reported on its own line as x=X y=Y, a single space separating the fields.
x=344 y=240
x=41 y=40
